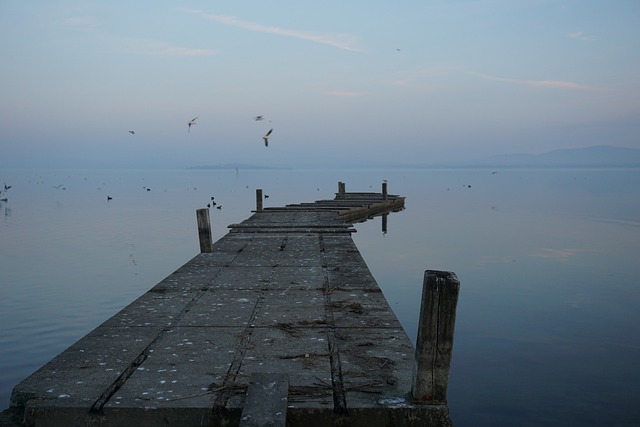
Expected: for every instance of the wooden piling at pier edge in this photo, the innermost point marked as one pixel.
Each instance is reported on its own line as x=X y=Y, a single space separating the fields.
x=435 y=337
x=204 y=230
x=258 y=199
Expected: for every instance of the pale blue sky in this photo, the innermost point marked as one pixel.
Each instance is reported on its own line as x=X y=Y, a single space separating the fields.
x=471 y=78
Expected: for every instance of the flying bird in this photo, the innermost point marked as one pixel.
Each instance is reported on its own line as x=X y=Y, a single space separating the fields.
x=132 y=132
x=258 y=118
x=191 y=122
x=266 y=137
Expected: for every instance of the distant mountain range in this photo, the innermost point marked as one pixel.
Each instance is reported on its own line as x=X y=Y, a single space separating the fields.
x=596 y=156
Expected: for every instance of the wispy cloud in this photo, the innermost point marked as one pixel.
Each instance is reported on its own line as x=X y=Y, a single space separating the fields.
x=132 y=45
x=345 y=94
x=557 y=254
x=488 y=260
x=579 y=35
x=164 y=49
x=80 y=22
x=340 y=41
x=555 y=84
x=153 y=47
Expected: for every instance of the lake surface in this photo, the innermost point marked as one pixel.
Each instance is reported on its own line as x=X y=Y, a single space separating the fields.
x=548 y=320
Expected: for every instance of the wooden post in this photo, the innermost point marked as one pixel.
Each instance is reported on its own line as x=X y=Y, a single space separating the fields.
x=384 y=191
x=204 y=230
x=259 y=199
x=341 y=188
x=435 y=337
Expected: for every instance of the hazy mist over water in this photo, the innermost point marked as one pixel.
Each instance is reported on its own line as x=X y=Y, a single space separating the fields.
x=547 y=331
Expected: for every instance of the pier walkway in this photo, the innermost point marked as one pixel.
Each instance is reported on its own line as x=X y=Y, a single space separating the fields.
x=283 y=304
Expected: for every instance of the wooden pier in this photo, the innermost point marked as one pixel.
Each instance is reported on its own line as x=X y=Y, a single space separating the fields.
x=280 y=321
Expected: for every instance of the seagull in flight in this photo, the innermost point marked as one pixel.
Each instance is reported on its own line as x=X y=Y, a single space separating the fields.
x=266 y=137
x=132 y=132
x=258 y=118
x=191 y=122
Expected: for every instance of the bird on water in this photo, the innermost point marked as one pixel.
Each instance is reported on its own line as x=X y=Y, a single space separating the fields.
x=258 y=118
x=266 y=137
x=132 y=132
x=191 y=122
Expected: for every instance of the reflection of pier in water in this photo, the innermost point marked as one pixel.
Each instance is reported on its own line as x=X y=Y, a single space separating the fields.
x=278 y=321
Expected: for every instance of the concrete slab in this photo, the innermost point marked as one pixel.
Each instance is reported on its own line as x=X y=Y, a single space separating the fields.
x=298 y=278
x=362 y=308
x=184 y=369
x=185 y=281
x=81 y=374
x=291 y=309
x=266 y=400
x=243 y=277
x=222 y=307
x=152 y=309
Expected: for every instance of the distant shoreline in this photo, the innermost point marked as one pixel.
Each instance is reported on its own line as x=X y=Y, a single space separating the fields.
x=234 y=166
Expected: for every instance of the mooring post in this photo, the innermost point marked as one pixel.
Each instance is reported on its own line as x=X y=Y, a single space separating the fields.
x=204 y=230
x=435 y=337
x=384 y=223
x=341 y=188
x=259 y=199
x=384 y=191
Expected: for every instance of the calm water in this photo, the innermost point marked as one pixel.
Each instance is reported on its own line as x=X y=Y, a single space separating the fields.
x=548 y=326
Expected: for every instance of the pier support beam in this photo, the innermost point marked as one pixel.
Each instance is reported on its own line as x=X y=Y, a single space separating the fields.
x=259 y=199
x=204 y=230
x=384 y=191
x=435 y=337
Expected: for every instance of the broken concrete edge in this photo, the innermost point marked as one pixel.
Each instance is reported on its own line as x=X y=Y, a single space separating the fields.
x=398 y=412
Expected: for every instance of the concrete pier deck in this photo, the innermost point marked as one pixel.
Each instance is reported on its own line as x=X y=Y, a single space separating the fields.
x=284 y=293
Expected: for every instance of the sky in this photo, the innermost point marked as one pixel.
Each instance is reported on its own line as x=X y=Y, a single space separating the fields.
x=340 y=82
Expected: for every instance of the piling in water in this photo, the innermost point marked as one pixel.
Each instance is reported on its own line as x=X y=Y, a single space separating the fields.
x=258 y=199
x=204 y=230
x=435 y=337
